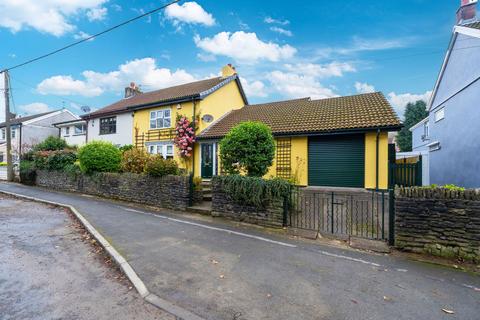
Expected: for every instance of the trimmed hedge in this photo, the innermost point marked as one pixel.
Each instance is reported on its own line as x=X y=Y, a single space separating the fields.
x=99 y=156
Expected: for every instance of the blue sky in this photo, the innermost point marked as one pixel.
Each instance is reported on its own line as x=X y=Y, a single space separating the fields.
x=281 y=49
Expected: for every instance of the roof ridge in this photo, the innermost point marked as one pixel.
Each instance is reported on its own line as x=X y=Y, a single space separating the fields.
x=351 y=96
x=280 y=101
x=180 y=85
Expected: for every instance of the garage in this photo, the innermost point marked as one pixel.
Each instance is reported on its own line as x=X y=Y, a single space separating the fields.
x=336 y=161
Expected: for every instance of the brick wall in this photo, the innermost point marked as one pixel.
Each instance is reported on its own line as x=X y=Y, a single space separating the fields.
x=223 y=205
x=168 y=192
x=438 y=222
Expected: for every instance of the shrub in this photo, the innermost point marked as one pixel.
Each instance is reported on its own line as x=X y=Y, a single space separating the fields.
x=254 y=191
x=50 y=144
x=27 y=172
x=99 y=156
x=134 y=160
x=126 y=147
x=3 y=164
x=54 y=160
x=451 y=187
x=159 y=167
x=28 y=156
x=249 y=147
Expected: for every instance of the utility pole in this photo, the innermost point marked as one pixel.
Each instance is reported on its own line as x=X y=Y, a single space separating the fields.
x=7 y=127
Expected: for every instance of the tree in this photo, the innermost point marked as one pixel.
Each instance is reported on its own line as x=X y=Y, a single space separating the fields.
x=414 y=112
x=249 y=147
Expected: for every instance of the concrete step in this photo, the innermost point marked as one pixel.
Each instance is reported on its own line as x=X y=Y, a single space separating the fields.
x=204 y=207
x=206 y=190
x=207 y=197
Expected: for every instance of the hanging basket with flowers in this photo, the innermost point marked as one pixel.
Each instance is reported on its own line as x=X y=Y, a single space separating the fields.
x=185 y=136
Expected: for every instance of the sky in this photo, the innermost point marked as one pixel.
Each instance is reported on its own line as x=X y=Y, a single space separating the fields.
x=281 y=49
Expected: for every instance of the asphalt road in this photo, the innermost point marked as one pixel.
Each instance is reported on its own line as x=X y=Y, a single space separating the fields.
x=48 y=272
x=220 y=272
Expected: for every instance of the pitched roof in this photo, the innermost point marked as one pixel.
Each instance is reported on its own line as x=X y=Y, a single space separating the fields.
x=305 y=116
x=474 y=25
x=192 y=90
x=26 y=118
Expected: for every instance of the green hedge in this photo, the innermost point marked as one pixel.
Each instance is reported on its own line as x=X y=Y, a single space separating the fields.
x=99 y=156
x=54 y=160
x=253 y=190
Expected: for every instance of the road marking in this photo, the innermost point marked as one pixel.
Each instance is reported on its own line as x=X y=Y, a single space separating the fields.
x=246 y=235
x=349 y=258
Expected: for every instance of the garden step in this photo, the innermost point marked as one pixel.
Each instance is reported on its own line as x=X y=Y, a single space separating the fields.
x=204 y=207
x=207 y=197
x=206 y=190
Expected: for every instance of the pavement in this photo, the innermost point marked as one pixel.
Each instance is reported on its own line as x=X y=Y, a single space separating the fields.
x=220 y=272
x=48 y=270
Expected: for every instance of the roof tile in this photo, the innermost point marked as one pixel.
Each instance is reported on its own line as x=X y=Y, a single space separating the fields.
x=362 y=111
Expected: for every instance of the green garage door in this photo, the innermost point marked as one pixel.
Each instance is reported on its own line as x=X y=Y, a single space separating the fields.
x=336 y=161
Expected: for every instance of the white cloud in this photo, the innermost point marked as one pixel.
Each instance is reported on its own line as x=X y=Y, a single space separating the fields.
x=361 y=45
x=34 y=108
x=96 y=14
x=189 y=12
x=400 y=101
x=271 y=20
x=254 y=89
x=244 y=47
x=12 y=55
x=82 y=35
x=362 y=87
x=144 y=72
x=294 y=85
x=333 y=69
x=50 y=17
x=117 y=7
x=283 y=31
x=206 y=57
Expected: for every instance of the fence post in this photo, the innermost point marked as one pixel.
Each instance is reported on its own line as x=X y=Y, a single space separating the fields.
x=391 y=217
x=191 y=190
x=333 y=213
x=285 y=209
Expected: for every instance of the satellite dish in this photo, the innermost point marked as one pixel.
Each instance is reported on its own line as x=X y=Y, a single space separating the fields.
x=85 y=109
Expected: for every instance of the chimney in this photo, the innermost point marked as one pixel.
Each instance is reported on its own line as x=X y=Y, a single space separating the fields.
x=132 y=90
x=467 y=12
x=228 y=71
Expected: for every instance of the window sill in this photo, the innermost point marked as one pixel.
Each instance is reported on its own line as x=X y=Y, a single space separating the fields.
x=106 y=134
x=78 y=134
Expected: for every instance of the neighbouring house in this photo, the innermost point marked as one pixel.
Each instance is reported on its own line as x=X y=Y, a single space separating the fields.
x=30 y=130
x=74 y=132
x=334 y=142
x=449 y=138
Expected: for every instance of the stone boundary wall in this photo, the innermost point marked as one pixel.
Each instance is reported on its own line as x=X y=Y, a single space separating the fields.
x=171 y=192
x=224 y=206
x=439 y=222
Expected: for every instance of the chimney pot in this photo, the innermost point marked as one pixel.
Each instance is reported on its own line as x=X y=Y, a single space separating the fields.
x=132 y=90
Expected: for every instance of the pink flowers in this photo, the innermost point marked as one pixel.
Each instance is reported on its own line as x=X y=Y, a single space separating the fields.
x=185 y=137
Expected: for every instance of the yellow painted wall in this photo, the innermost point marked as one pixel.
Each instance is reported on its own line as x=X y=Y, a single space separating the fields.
x=370 y=160
x=299 y=161
x=216 y=104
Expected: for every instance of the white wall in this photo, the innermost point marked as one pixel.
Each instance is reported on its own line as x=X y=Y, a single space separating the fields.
x=123 y=135
x=73 y=139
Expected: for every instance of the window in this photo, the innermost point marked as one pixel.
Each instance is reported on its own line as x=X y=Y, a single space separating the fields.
x=14 y=133
x=439 y=114
x=426 y=129
x=160 y=119
x=108 y=125
x=80 y=129
x=3 y=134
x=166 y=150
x=1 y=156
x=67 y=131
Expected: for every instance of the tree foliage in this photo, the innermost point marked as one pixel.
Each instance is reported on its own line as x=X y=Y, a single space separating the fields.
x=249 y=147
x=50 y=144
x=414 y=112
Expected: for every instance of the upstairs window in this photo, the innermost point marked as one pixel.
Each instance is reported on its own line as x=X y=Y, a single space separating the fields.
x=80 y=129
x=426 y=130
x=439 y=114
x=160 y=119
x=108 y=125
x=3 y=134
x=14 y=133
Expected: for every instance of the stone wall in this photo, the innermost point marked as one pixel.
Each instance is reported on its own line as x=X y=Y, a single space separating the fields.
x=224 y=206
x=438 y=222
x=167 y=192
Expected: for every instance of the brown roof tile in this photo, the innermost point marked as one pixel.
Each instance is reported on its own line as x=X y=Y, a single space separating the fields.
x=192 y=89
x=364 y=111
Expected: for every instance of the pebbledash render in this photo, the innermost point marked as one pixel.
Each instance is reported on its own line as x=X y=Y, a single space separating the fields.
x=338 y=142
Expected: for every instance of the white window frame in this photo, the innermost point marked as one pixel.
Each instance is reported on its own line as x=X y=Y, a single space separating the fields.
x=158 y=116
x=82 y=131
x=4 y=135
x=166 y=150
x=439 y=114
x=66 y=132
x=13 y=133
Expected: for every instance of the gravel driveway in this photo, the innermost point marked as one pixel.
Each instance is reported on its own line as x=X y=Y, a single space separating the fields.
x=49 y=269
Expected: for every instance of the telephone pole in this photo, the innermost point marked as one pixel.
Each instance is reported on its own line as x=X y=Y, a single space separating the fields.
x=7 y=127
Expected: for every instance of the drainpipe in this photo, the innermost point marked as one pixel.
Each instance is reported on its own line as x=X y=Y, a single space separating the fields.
x=20 y=142
x=194 y=130
x=376 y=161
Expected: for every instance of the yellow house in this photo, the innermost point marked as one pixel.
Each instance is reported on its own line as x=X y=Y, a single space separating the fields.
x=335 y=142
x=340 y=142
